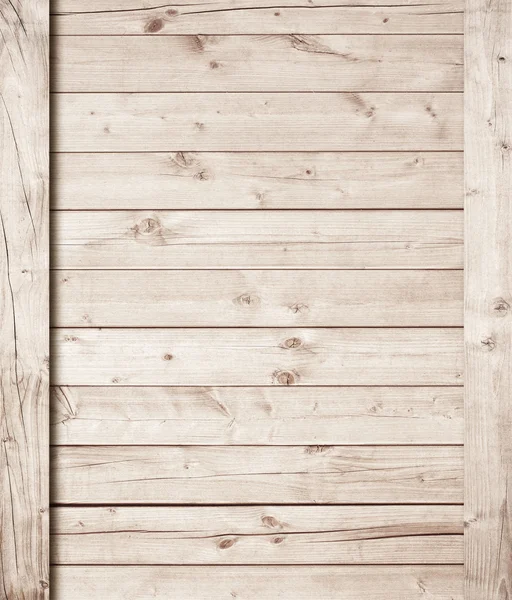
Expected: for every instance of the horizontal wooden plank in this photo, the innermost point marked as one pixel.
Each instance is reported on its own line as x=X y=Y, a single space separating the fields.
x=257 y=122
x=218 y=180
x=242 y=535
x=260 y=416
x=107 y=17
x=282 y=63
x=256 y=357
x=257 y=239
x=254 y=583
x=257 y=475
x=257 y=298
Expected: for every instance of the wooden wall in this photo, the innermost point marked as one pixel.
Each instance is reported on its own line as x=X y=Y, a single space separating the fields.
x=257 y=249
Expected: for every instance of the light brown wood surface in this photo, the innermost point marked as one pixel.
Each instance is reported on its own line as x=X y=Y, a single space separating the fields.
x=253 y=377
x=256 y=357
x=228 y=298
x=24 y=322
x=257 y=122
x=254 y=583
x=488 y=320
x=257 y=239
x=118 y=17
x=257 y=535
x=257 y=475
x=297 y=62
x=260 y=416
x=206 y=180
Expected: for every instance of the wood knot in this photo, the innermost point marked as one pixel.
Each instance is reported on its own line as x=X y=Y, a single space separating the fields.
x=429 y=109
x=70 y=338
x=488 y=344
x=44 y=584
x=385 y=20
x=292 y=343
x=285 y=378
x=299 y=307
x=171 y=12
x=500 y=307
x=278 y=540
x=167 y=357
x=202 y=176
x=199 y=126
x=150 y=231
x=226 y=543
x=502 y=59
x=182 y=159
x=271 y=522
x=147 y=226
x=247 y=300
x=316 y=449
x=154 y=26
x=214 y=64
x=116 y=380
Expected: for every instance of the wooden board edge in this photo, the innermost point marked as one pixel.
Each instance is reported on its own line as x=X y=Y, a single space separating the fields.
x=24 y=293
x=488 y=299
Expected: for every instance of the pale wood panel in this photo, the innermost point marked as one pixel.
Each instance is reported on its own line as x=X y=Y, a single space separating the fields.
x=254 y=583
x=256 y=298
x=239 y=535
x=260 y=416
x=257 y=180
x=109 y=17
x=24 y=323
x=257 y=475
x=257 y=122
x=258 y=63
x=226 y=357
x=257 y=239
x=488 y=347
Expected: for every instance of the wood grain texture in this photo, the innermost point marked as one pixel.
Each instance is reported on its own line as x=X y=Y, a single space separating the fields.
x=256 y=357
x=257 y=239
x=276 y=298
x=258 y=63
x=257 y=122
x=261 y=416
x=253 y=583
x=24 y=322
x=241 y=535
x=257 y=475
x=106 y=17
x=488 y=315
x=185 y=180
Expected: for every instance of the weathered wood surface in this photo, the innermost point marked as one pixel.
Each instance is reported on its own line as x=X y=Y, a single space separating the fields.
x=244 y=180
x=257 y=535
x=254 y=583
x=257 y=239
x=258 y=63
x=24 y=345
x=257 y=475
x=257 y=122
x=261 y=416
x=488 y=322
x=272 y=298
x=256 y=357
x=107 y=17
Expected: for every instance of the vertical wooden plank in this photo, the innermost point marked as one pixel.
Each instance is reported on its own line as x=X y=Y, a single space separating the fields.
x=488 y=124
x=24 y=141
